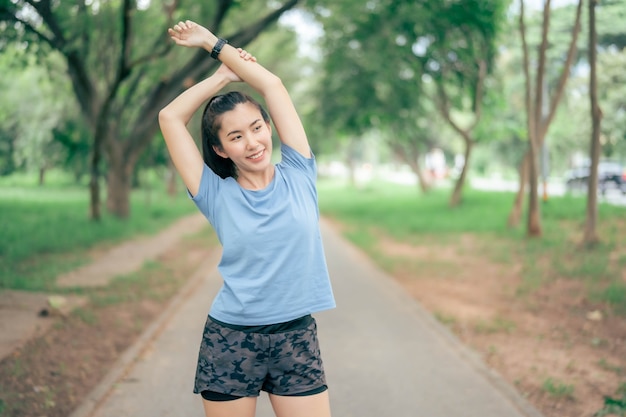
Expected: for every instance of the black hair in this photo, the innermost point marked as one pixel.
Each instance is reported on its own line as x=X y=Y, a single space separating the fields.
x=211 y=124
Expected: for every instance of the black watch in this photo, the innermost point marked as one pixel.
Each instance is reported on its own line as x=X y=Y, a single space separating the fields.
x=218 y=47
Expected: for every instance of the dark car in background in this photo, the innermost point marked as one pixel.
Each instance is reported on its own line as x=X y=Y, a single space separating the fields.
x=611 y=175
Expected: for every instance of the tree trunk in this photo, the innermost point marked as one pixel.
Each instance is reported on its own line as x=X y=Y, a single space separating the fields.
x=540 y=111
x=409 y=154
x=119 y=179
x=516 y=211
x=353 y=157
x=94 y=180
x=457 y=193
x=42 y=176
x=171 y=178
x=417 y=170
x=118 y=191
x=590 y=236
x=534 y=215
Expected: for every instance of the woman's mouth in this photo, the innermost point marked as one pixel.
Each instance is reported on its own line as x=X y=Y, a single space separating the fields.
x=257 y=155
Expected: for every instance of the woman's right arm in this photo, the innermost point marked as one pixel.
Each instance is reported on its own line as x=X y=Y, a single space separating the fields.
x=173 y=121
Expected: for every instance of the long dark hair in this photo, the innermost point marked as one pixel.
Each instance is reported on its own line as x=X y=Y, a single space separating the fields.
x=211 y=124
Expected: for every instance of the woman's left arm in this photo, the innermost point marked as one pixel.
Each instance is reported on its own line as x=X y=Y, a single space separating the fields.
x=279 y=104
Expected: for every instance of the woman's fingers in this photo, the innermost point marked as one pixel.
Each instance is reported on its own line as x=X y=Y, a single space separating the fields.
x=246 y=55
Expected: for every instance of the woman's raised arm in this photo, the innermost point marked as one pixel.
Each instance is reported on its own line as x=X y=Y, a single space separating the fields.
x=174 y=117
x=279 y=104
x=173 y=121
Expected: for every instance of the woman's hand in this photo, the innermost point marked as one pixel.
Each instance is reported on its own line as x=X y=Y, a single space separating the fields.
x=189 y=34
x=225 y=71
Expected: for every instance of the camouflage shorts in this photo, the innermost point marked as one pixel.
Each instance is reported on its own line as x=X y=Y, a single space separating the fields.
x=242 y=363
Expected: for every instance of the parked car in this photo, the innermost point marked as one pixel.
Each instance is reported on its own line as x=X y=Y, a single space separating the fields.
x=610 y=175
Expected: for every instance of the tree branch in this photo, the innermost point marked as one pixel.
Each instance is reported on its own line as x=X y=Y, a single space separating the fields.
x=541 y=68
x=530 y=123
x=198 y=66
x=125 y=39
x=564 y=71
x=5 y=15
x=45 y=12
x=478 y=98
x=222 y=8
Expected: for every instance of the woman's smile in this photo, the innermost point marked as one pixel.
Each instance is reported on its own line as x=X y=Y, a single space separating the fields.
x=257 y=155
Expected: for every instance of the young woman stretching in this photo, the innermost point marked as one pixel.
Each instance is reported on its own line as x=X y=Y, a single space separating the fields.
x=260 y=335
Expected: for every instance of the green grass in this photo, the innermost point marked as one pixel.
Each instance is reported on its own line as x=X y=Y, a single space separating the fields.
x=406 y=214
x=495 y=325
x=403 y=211
x=46 y=230
x=614 y=406
x=614 y=293
x=557 y=388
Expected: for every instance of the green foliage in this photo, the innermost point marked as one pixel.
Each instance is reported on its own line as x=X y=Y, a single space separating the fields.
x=567 y=140
x=610 y=16
x=380 y=55
x=612 y=93
x=614 y=406
x=39 y=224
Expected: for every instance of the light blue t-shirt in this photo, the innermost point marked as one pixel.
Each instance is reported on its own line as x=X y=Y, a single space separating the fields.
x=273 y=262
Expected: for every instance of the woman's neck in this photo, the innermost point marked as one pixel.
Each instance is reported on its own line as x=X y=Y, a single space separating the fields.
x=256 y=180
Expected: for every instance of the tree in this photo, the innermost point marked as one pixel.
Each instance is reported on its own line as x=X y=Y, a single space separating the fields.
x=537 y=119
x=590 y=236
x=123 y=70
x=32 y=106
x=612 y=93
x=380 y=57
x=463 y=53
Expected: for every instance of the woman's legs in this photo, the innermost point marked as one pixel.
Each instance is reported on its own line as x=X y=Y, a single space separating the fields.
x=317 y=405
x=243 y=407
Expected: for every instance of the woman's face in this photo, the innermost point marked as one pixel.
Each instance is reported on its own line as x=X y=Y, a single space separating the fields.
x=246 y=138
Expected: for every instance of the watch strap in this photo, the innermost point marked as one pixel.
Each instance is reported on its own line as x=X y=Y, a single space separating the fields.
x=218 y=47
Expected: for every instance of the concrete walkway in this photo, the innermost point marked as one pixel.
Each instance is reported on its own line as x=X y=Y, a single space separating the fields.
x=383 y=354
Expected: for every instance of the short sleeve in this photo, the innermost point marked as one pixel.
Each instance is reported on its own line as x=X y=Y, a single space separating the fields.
x=293 y=159
x=205 y=198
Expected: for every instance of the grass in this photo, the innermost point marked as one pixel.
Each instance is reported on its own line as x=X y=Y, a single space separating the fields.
x=495 y=325
x=614 y=406
x=403 y=211
x=614 y=293
x=407 y=215
x=557 y=388
x=46 y=231
x=604 y=364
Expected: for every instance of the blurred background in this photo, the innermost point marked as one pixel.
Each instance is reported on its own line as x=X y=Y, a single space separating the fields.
x=430 y=121
x=415 y=92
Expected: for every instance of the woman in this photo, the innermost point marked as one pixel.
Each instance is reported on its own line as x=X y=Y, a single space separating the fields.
x=260 y=335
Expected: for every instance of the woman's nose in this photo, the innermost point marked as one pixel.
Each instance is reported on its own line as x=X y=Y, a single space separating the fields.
x=251 y=142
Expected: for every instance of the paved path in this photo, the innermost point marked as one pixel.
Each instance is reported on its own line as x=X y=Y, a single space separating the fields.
x=384 y=355
x=20 y=320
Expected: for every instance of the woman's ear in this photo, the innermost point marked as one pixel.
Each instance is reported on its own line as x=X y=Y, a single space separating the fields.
x=218 y=150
